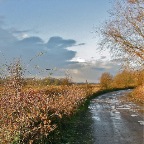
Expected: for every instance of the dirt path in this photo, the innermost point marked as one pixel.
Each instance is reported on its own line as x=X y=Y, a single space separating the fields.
x=116 y=122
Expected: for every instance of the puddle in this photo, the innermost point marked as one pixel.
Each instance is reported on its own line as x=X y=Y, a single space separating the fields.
x=134 y=115
x=124 y=107
x=117 y=118
x=96 y=118
x=141 y=122
x=117 y=112
x=132 y=110
x=92 y=107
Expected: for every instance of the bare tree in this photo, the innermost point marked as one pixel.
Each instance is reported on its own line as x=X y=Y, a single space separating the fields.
x=124 y=32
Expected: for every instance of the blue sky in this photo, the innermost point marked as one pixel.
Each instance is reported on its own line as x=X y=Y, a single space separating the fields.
x=61 y=30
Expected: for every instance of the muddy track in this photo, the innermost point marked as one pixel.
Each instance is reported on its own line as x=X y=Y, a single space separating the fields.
x=115 y=121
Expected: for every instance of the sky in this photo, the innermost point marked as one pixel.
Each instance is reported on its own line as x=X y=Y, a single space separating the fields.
x=56 y=34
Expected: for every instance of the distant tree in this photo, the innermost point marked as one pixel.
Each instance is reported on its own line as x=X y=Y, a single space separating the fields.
x=124 y=32
x=106 y=80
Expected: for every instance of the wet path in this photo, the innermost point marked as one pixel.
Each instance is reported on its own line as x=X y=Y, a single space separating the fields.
x=115 y=121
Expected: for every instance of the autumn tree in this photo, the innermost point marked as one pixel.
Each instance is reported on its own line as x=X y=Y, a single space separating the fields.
x=124 y=32
x=106 y=80
x=124 y=79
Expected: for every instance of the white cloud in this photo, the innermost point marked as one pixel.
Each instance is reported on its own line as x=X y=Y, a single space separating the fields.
x=78 y=59
x=23 y=35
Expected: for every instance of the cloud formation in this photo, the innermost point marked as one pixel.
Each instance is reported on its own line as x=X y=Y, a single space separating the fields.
x=57 y=53
x=55 y=50
x=51 y=54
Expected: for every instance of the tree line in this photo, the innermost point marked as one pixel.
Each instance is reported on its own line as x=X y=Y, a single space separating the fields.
x=123 y=79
